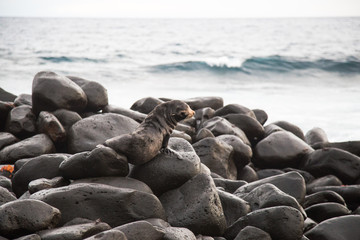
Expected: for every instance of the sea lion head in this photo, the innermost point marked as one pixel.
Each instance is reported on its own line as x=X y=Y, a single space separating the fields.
x=179 y=110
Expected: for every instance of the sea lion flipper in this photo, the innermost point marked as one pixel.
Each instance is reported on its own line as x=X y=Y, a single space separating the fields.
x=165 y=141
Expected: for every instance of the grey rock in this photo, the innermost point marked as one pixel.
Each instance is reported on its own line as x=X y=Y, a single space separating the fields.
x=5 y=108
x=247 y=174
x=96 y=94
x=44 y=166
x=23 y=99
x=349 y=146
x=21 y=122
x=44 y=183
x=291 y=183
x=74 y=232
x=252 y=233
x=85 y=134
x=203 y=114
x=253 y=130
x=29 y=237
x=51 y=91
x=309 y=224
x=228 y=185
x=264 y=173
x=7 y=139
x=267 y=195
x=179 y=134
x=47 y=123
x=195 y=205
x=217 y=155
x=93 y=201
x=21 y=217
x=233 y=207
x=220 y=126
x=30 y=147
x=272 y=128
x=281 y=149
x=342 y=164
x=285 y=223
x=176 y=233
x=260 y=115
x=141 y=230
x=234 y=108
x=111 y=234
x=329 y=180
x=119 y=182
x=202 y=102
x=6 y=96
x=5 y=183
x=322 y=211
x=100 y=162
x=306 y=175
x=350 y=193
x=203 y=133
x=67 y=118
x=291 y=128
x=169 y=170
x=146 y=105
x=242 y=152
x=338 y=228
x=322 y=197
x=6 y=196
x=135 y=115
x=316 y=135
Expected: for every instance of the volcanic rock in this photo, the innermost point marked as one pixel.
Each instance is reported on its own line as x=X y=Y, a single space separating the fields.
x=67 y=118
x=291 y=128
x=291 y=183
x=228 y=185
x=21 y=121
x=135 y=115
x=342 y=164
x=140 y=230
x=283 y=222
x=111 y=234
x=5 y=96
x=234 y=108
x=5 y=183
x=146 y=105
x=7 y=139
x=218 y=156
x=23 y=99
x=169 y=171
x=329 y=180
x=44 y=183
x=97 y=97
x=264 y=173
x=115 y=206
x=195 y=205
x=322 y=197
x=279 y=150
x=47 y=123
x=315 y=136
x=247 y=174
x=85 y=134
x=44 y=166
x=21 y=217
x=30 y=147
x=338 y=228
x=51 y=91
x=322 y=211
x=349 y=146
x=203 y=133
x=252 y=233
x=203 y=102
x=261 y=116
x=100 y=162
x=176 y=233
x=6 y=196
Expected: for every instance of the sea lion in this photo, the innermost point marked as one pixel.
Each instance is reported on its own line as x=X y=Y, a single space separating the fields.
x=153 y=134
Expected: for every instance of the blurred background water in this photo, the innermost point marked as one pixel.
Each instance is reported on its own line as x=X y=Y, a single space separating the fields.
x=302 y=70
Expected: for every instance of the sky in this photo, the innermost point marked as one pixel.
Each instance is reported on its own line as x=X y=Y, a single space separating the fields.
x=179 y=8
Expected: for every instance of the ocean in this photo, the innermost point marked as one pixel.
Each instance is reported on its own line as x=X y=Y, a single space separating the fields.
x=302 y=70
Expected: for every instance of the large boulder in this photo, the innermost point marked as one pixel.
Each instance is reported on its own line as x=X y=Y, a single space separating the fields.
x=315 y=136
x=100 y=162
x=51 y=91
x=137 y=116
x=6 y=96
x=120 y=182
x=176 y=233
x=44 y=166
x=146 y=105
x=111 y=234
x=234 y=108
x=217 y=156
x=115 y=206
x=322 y=211
x=291 y=128
x=7 y=139
x=291 y=183
x=251 y=127
x=169 y=171
x=67 y=118
x=322 y=197
x=268 y=195
x=85 y=134
x=283 y=222
x=74 y=232
x=344 y=165
x=6 y=196
x=260 y=115
x=279 y=150
x=252 y=233
x=21 y=217
x=23 y=99
x=44 y=183
x=21 y=121
x=220 y=126
x=47 y=123
x=338 y=228
x=349 y=146
x=96 y=94
x=141 y=230
x=195 y=205
x=202 y=102
x=27 y=148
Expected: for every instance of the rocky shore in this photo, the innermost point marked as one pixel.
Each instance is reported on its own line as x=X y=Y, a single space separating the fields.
x=229 y=175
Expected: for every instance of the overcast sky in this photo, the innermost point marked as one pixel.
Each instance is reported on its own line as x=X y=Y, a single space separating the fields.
x=180 y=8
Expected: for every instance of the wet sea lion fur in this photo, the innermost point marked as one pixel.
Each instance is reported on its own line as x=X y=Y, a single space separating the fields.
x=153 y=134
